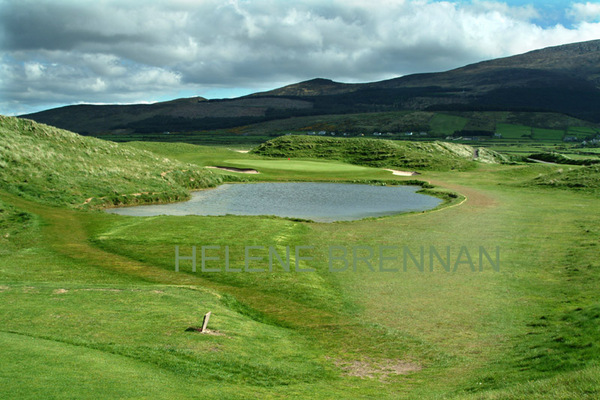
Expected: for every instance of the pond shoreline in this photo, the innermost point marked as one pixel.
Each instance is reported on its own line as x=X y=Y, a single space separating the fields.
x=311 y=201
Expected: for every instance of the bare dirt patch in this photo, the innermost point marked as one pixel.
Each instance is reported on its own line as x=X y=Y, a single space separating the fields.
x=4 y=288
x=60 y=291
x=372 y=369
x=205 y=332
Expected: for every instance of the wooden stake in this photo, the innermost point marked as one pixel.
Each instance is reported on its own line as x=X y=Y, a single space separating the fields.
x=205 y=321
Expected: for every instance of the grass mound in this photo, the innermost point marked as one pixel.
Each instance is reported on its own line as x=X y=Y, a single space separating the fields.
x=558 y=158
x=584 y=178
x=380 y=153
x=54 y=166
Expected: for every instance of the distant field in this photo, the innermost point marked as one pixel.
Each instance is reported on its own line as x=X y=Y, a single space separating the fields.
x=528 y=135
x=590 y=150
x=577 y=156
x=509 y=131
x=217 y=138
x=582 y=130
x=521 y=126
x=444 y=124
x=548 y=134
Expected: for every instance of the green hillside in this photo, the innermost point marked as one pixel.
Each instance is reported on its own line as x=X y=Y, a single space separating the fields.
x=55 y=166
x=92 y=303
x=439 y=156
x=584 y=178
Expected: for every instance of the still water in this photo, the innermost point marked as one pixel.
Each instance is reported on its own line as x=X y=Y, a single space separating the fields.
x=321 y=202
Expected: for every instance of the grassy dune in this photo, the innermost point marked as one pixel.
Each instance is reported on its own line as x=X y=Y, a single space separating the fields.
x=584 y=178
x=59 y=167
x=91 y=304
x=439 y=156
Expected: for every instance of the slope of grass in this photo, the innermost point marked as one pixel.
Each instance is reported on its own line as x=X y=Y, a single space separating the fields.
x=60 y=167
x=553 y=135
x=559 y=158
x=72 y=304
x=584 y=178
x=379 y=153
x=444 y=124
x=91 y=304
x=188 y=153
x=517 y=126
x=510 y=131
x=583 y=131
x=484 y=333
x=581 y=384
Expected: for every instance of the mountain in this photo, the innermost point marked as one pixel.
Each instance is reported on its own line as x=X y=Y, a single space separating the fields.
x=563 y=79
x=314 y=87
x=194 y=113
x=578 y=61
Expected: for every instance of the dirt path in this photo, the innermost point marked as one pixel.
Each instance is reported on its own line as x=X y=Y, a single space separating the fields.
x=474 y=197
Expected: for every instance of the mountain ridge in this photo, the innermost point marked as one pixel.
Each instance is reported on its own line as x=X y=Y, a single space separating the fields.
x=562 y=79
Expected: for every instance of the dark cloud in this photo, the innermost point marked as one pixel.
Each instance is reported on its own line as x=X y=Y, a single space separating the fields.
x=69 y=51
x=43 y=25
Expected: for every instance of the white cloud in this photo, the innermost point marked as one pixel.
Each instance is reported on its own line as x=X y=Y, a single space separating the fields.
x=128 y=50
x=585 y=12
x=34 y=70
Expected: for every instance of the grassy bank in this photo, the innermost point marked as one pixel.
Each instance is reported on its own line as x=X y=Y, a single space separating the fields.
x=92 y=305
x=58 y=167
x=439 y=156
x=586 y=179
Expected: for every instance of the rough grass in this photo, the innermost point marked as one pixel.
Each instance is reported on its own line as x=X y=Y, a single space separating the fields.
x=559 y=158
x=59 y=167
x=584 y=178
x=379 y=153
x=90 y=302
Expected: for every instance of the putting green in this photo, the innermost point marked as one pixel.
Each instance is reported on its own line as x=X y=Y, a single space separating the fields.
x=296 y=165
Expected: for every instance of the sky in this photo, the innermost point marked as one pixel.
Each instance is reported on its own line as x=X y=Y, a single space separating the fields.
x=63 y=52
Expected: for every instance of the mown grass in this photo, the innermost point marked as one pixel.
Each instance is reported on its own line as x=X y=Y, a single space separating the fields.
x=189 y=153
x=92 y=306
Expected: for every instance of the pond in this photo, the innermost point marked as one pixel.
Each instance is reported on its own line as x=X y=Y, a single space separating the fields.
x=321 y=202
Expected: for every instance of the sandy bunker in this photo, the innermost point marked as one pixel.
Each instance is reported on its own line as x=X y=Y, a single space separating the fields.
x=240 y=170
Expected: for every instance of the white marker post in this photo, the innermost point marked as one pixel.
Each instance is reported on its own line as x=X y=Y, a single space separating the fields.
x=205 y=322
